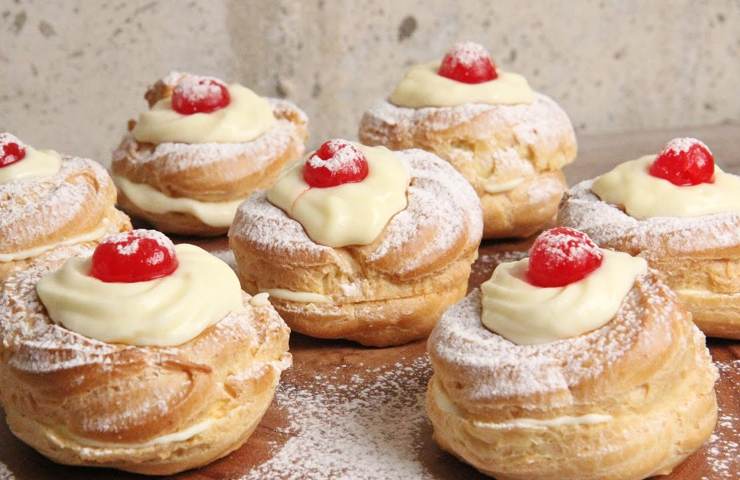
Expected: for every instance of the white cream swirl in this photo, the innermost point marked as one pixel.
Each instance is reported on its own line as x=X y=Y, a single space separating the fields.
x=348 y=214
x=245 y=118
x=642 y=195
x=526 y=315
x=423 y=87
x=166 y=311
x=36 y=163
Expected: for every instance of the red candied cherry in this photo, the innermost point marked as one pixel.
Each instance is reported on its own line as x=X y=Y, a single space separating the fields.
x=12 y=150
x=561 y=256
x=194 y=94
x=468 y=62
x=336 y=162
x=684 y=161
x=136 y=256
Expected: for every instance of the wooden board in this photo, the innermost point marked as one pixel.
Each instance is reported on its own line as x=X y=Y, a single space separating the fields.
x=344 y=411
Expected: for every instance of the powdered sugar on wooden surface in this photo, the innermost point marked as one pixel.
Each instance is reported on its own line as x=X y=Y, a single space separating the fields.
x=723 y=448
x=607 y=225
x=5 y=474
x=369 y=425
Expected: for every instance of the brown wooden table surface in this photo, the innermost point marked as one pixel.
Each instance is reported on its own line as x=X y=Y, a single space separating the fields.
x=401 y=372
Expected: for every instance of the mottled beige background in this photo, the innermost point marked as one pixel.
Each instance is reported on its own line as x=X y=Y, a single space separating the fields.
x=72 y=72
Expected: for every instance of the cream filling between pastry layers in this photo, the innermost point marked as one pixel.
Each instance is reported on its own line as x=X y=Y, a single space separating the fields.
x=526 y=315
x=96 y=234
x=444 y=403
x=298 y=297
x=348 y=214
x=642 y=195
x=245 y=118
x=214 y=214
x=494 y=187
x=167 y=311
x=423 y=87
x=36 y=163
x=705 y=293
x=174 y=437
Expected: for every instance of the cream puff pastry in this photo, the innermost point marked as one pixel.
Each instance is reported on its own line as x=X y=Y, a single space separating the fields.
x=508 y=141
x=201 y=149
x=360 y=243
x=141 y=356
x=49 y=203
x=575 y=363
x=682 y=214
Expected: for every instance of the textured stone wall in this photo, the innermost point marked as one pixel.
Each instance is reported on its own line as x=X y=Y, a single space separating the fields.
x=72 y=72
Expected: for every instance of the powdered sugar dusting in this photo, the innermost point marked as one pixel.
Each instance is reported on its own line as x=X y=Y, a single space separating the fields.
x=683 y=144
x=345 y=157
x=7 y=138
x=172 y=158
x=271 y=230
x=179 y=157
x=128 y=243
x=723 y=448
x=498 y=368
x=32 y=343
x=439 y=198
x=197 y=87
x=539 y=128
x=368 y=426
x=609 y=226
x=172 y=78
x=36 y=208
x=467 y=54
x=562 y=245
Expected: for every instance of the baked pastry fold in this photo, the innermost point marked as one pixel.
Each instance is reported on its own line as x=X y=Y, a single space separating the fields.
x=512 y=155
x=152 y=410
x=629 y=400
x=698 y=257
x=389 y=292
x=41 y=215
x=215 y=173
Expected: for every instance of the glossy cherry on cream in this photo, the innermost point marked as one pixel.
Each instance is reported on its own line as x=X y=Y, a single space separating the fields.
x=336 y=162
x=136 y=256
x=468 y=62
x=194 y=94
x=561 y=256
x=11 y=150
x=684 y=161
